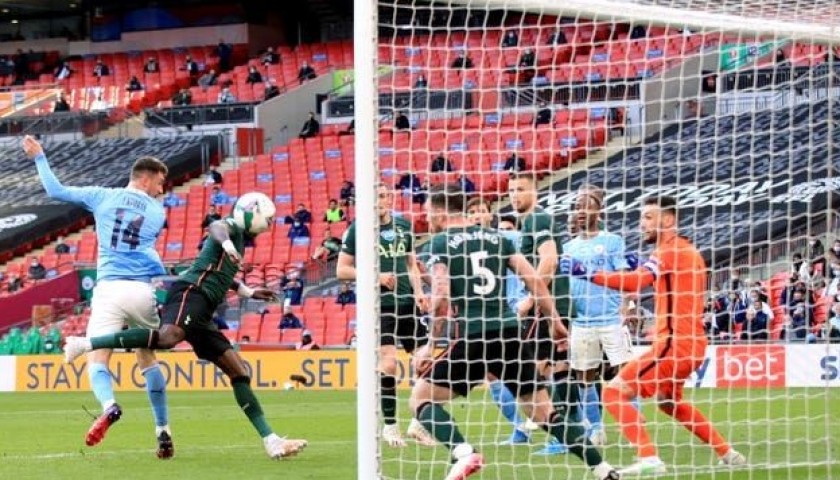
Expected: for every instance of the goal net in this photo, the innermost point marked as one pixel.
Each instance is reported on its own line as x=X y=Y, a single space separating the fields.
x=728 y=106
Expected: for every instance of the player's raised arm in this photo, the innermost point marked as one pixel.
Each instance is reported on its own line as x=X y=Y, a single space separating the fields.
x=219 y=231
x=88 y=196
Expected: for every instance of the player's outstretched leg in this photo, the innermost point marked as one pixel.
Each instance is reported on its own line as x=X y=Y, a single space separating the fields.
x=618 y=400
x=697 y=423
x=234 y=367
x=507 y=404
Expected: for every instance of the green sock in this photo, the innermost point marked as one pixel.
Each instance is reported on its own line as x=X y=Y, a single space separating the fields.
x=131 y=338
x=440 y=424
x=250 y=405
x=573 y=435
x=388 y=398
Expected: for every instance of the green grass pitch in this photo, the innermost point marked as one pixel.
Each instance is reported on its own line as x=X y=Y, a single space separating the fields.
x=787 y=434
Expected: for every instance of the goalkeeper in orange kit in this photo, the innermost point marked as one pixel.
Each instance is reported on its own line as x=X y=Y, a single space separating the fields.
x=678 y=274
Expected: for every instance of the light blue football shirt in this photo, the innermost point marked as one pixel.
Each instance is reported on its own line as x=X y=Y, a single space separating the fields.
x=596 y=306
x=128 y=222
x=515 y=290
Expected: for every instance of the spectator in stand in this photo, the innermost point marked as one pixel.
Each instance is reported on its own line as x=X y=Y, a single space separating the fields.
x=271 y=90
x=755 y=325
x=60 y=247
x=306 y=72
x=329 y=248
x=134 y=84
x=528 y=59
x=212 y=216
x=543 y=116
x=182 y=98
x=226 y=96
x=61 y=104
x=441 y=164
x=190 y=66
x=172 y=200
x=63 y=71
x=832 y=326
x=511 y=39
x=301 y=215
x=334 y=213
x=151 y=66
x=800 y=323
x=462 y=61
x=306 y=342
x=254 y=75
x=421 y=82
x=36 y=270
x=208 y=79
x=218 y=197
x=346 y=296
x=637 y=32
x=834 y=286
x=213 y=176
x=347 y=196
x=736 y=309
x=467 y=186
x=833 y=254
x=350 y=130
x=293 y=289
x=409 y=184
x=224 y=51
x=800 y=267
x=270 y=57
x=310 y=128
x=289 y=320
x=14 y=284
x=298 y=230
x=557 y=37
x=101 y=70
x=401 y=122
x=816 y=256
x=515 y=163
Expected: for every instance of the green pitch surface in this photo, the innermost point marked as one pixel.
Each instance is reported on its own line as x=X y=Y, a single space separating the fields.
x=785 y=433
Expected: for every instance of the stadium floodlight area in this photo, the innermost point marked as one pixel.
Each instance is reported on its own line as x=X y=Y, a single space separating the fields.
x=728 y=106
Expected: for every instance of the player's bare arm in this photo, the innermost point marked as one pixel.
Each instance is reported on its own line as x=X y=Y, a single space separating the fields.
x=539 y=291
x=416 y=278
x=245 y=291
x=439 y=312
x=547 y=266
x=219 y=232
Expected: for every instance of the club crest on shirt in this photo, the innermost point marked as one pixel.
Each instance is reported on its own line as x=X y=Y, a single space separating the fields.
x=599 y=249
x=387 y=235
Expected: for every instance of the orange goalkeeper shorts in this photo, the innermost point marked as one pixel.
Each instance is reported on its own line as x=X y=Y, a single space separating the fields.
x=661 y=374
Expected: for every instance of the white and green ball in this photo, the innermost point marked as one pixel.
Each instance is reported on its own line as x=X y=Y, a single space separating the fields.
x=254 y=212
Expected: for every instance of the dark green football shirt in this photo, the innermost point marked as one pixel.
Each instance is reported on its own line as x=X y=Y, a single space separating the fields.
x=396 y=241
x=213 y=271
x=477 y=259
x=537 y=228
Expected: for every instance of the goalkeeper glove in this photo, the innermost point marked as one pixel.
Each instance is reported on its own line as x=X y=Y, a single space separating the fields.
x=573 y=267
x=632 y=260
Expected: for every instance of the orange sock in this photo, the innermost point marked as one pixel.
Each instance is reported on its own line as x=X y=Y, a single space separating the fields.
x=699 y=425
x=630 y=420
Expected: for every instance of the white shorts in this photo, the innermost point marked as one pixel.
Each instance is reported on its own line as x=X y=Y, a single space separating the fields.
x=589 y=344
x=122 y=302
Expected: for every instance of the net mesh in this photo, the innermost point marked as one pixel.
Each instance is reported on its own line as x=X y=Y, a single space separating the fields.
x=737 y=124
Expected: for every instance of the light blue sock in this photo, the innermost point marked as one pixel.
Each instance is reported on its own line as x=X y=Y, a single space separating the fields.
x=101 y=384
x=506 y=402
x=156 y=388
x=637 y=403
x=592 y=407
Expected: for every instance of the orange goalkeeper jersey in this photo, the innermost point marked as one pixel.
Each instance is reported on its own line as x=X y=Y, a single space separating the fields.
x=678 y=274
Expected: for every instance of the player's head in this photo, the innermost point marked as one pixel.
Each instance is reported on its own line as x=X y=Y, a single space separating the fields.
x=507 y=223
x=659 y=214
x=445 y=202
x=149 y=175
x=522 y=189
x=478 y=209
x=588 y=206
x=385 y=203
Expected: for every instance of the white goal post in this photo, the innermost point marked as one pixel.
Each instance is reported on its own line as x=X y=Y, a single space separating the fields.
x=730 y=106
